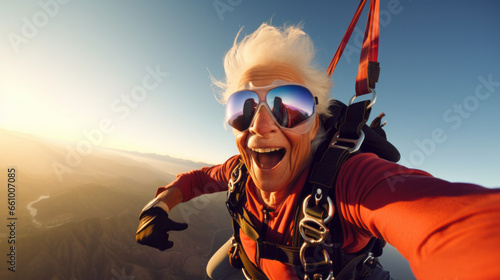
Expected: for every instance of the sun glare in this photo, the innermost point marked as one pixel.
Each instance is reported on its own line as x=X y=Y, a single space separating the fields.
x=26 y=112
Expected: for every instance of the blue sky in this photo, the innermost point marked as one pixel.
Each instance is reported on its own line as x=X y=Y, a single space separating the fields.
x=135 y=75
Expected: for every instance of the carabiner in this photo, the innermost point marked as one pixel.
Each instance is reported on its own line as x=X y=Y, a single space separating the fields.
x=316 y=225
x=232 y=182
x=304 y=264
x=374 y=98
x=330 y=208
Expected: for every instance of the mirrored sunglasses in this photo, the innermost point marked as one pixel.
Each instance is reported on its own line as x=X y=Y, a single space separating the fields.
x=291 y=106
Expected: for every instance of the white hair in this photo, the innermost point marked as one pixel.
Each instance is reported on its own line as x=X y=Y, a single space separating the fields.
x=290 y=46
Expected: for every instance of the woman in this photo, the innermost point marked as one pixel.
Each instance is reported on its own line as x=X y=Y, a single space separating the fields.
x=445 y=230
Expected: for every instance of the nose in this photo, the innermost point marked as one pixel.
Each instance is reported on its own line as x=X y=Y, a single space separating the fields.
x=263 y=122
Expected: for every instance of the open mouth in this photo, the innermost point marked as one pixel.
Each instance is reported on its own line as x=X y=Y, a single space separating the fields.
x=268 y=158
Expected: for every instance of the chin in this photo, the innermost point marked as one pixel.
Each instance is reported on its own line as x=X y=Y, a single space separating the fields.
x=270 y=180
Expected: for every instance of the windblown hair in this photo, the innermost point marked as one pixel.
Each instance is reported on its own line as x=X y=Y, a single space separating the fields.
x=270 y=45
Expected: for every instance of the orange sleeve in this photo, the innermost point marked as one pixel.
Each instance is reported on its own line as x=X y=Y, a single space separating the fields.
x=445 y=230
x=203 y=181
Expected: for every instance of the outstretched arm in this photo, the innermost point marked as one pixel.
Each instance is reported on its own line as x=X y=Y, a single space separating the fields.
x=445 y=230
x=197 y=182
x=155 y=223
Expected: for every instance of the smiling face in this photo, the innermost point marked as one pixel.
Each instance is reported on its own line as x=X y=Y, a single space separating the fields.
x=274 y=157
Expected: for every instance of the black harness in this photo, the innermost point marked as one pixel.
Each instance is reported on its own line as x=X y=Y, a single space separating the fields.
x=316 y=250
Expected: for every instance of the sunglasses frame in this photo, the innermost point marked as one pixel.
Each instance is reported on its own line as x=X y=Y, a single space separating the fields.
x=300 y=128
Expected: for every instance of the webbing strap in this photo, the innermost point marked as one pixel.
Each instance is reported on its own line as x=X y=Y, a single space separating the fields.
x=346 y=38
x=368 y=69
x=324 y=175
x=351 y=126
x=284 y=254
x=255 y=272
x=369 y=52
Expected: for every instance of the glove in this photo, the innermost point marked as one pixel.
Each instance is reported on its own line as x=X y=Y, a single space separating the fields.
x=153 y=227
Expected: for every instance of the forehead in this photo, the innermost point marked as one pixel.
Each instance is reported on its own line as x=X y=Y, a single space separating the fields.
x=264 y=75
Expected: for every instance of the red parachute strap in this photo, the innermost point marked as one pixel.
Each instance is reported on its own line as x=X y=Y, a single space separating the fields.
x=368 y=66
x=369 y=69
x=346 y=38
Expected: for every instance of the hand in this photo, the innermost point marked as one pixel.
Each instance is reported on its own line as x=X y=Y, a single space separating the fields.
x=153 y=227
x=377 y=121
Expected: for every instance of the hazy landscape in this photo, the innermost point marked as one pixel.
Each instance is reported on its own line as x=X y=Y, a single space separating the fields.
x=77 y=212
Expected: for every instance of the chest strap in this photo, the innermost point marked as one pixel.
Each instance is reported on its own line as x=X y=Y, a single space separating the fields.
x=241 y=220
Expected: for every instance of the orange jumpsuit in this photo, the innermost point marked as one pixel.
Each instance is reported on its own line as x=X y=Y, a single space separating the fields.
x=445 y=230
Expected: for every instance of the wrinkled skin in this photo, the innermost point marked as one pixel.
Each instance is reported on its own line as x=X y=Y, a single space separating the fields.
x=273 y=180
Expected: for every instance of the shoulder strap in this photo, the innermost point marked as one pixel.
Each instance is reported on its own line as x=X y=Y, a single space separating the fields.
x=241 y=220
x=318 y=208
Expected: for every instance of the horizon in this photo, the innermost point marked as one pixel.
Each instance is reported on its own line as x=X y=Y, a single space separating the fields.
x=86 y=142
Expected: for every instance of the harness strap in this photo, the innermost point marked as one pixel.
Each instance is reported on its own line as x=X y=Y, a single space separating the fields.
x=234 y=193
x=249 y=268
x=369 y=68
x=366 y=79
x=241 y=220
x=355 y=266
x=284 y=254
x=266 y=250
x=346 y=38
x=344 y=144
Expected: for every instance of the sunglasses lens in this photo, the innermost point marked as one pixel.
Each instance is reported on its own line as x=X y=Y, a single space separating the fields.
x=290 y=104
x=240 y=109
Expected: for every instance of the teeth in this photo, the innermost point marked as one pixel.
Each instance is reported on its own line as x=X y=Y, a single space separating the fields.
x=268 y=150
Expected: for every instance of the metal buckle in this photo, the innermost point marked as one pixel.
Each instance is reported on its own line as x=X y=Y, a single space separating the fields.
x=245 y=273
x=234 y=243
x=233 y=182
x=316 y=276
x=357 y=142
x=319 y=276
x=320 y=229
x=369 y=259
x=374 y=98
x=303 y=257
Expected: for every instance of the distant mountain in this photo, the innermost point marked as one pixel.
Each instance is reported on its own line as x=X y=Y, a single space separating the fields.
x=47 y=166
x=85 y=226
x=103 y=247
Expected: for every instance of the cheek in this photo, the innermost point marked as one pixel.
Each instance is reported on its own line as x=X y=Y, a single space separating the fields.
x=303 y=144
x=301 y=151
x=240 y=140
x=241 y=144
